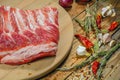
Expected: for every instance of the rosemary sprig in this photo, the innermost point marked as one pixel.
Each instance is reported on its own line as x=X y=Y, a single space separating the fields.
x=96 y=46
x=86 y=26
x=94 y=8
x=89 y=23
x=94 y=25
x=106 y=54
x=86 y=62
x=93 y=18
x=87 y=20
x=105 y=59
x=81 y=23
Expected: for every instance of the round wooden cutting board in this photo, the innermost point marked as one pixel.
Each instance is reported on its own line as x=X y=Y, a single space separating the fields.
x=40 y=67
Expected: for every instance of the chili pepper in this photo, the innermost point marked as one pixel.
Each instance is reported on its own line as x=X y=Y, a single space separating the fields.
x=113 y=26
x=87 y=43
x=98 y=20
x=95 y=67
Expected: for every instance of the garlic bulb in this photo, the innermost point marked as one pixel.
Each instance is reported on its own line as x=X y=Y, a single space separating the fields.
x=108 y=11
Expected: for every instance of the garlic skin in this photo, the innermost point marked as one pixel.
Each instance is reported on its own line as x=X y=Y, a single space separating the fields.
x=103 y=11
x=99 y=36
x=81 y=50
x=108 y=11
x=114 y=13
x=106 y=38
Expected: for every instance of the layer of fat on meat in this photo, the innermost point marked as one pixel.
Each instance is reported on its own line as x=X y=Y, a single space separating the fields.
x=31 y=21
x=51 y=17
x=40 y=18
x=8 y=25
x=18 y=25
x=28 y=51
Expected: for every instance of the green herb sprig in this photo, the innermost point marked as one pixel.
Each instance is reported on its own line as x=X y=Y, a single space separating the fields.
x=106 y=56
x=89 y=23
x=105 y=60
x=86 y=62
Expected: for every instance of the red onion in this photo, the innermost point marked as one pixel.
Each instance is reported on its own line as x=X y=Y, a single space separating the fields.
x=66 y=3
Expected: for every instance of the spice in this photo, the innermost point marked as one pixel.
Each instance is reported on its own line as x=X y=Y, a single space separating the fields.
x=105 y=60
x=87 y=43
x=86 y=62
x=95 y=67
x=106 y=54
x=98 y=20
x=90 y=23
x=112 y=66
x=113 y=26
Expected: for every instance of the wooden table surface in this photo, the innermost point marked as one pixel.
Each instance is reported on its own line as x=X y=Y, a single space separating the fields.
x=113 y=73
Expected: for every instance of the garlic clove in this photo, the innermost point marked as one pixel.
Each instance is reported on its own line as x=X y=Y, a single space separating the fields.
x=100 y=43
x=112 y=43
x=81 y=50
x=113 y=13
x=104 y=10
x=108 y=11
x=106 y=38
x=99 y=36
x=109 y=6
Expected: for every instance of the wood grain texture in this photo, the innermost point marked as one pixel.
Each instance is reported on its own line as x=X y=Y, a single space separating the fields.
x=77 y=11
x=40 y=67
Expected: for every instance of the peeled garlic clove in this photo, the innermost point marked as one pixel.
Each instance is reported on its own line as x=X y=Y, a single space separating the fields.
x=112 y=43
x=81 y=51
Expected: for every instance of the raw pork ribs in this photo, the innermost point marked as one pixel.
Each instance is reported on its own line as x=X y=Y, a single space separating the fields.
x=27 y=35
